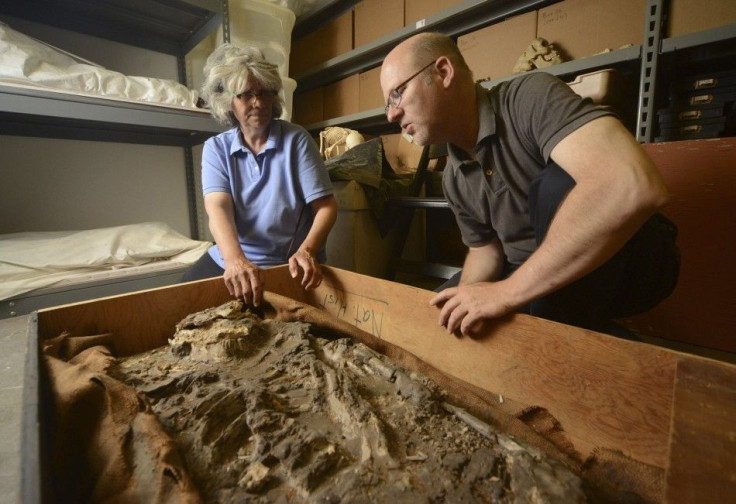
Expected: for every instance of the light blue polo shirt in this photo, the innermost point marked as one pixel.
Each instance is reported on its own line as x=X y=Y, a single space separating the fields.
x=271 y=191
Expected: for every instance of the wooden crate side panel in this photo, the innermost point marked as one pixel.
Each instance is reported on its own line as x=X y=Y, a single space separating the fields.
x=146 y=319
x=140 y=321
x=701 y=178
x=606 y=392
x=703 y=453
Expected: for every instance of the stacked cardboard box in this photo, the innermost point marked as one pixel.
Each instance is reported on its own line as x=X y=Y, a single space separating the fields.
x=329 y=41
x=581 y=28
x=341 y=97
x=418 y=10
x=376 y=18
x=492 y=52
x=309 y=107
x=689 y=16
x=370 y=93
x=355 y=242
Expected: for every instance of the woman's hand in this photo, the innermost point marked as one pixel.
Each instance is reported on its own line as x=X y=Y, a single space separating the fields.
x=311 y=270
x=243 y=280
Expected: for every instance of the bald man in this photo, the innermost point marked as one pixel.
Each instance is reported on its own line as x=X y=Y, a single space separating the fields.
x=554 y=198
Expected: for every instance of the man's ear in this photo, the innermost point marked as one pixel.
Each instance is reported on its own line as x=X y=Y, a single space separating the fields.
x=446 y=70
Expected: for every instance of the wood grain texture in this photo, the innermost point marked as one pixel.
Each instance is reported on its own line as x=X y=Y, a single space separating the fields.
x=140 y=321
x=606 y=392
x=703 y=453
x=701 y=178
x=670 y=410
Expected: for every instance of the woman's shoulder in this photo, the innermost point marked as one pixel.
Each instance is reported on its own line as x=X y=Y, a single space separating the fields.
x=291 y=128
x=293 y=134
x=226 y=137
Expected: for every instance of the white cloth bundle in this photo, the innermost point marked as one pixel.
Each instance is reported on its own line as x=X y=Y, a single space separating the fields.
x=30 y=261
x=28 y=61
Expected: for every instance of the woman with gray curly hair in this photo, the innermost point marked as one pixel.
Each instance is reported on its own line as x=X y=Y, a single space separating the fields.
x=267 y=193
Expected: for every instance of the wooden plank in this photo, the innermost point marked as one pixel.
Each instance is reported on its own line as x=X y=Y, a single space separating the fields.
x=606 y=392
x=703 y=452
x=146 y=319
x=701 y=178
x=140 y=320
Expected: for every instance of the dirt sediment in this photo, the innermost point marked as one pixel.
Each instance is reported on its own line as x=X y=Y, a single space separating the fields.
x=265 y=411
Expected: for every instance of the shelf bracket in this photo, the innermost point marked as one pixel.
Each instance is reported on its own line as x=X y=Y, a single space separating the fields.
x=225 y=22
x=649 y=59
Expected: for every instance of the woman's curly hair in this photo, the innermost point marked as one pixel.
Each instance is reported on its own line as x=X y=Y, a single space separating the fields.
x=226 y=74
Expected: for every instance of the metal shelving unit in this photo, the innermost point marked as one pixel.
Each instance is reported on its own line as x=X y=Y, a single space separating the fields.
x=474 y=14
x=46 y=113
x=454 y=21
x=168 y=26
x=375 y=119
x=722 y=34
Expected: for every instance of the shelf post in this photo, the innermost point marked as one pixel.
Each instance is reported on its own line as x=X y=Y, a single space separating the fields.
x=647 y=79
x=225 y=22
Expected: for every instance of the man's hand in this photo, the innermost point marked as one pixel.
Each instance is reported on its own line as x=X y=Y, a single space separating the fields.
x=464 y=308
x=244 y=281
x=312 y=271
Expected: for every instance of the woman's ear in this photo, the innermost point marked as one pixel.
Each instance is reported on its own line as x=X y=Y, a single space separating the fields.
x=446 y=70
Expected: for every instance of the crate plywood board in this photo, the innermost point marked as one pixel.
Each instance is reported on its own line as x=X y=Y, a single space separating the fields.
x=650 y=403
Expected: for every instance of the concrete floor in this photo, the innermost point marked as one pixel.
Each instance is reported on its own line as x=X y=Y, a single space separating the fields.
x=13 y=337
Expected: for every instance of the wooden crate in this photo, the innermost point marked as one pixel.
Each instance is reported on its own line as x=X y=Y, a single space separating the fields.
x=670 y=410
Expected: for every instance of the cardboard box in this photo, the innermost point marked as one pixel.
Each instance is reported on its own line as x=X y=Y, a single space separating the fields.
x=645 y=404
x=689 y=16
x=401 y=154
x=370 y=92
x=416 y=10
x=376 y=18
x=308 y=107
x=341 y=97
x=580 y=28
x=493 y=51
x=355 y=242
x=327 y=42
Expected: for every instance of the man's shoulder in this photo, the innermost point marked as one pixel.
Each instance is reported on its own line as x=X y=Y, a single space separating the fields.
x=530 y=82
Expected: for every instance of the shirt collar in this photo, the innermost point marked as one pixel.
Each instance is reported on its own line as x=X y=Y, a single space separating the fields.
x=486 y=129
x=274 y=137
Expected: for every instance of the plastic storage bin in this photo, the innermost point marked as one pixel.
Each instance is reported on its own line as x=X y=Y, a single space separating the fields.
x=287 y=94
x=265 y=25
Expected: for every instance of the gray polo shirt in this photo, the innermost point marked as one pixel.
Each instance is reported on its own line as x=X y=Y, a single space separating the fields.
x=521 y=121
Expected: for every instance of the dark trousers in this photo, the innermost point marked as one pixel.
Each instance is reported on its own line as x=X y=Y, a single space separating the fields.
x=205 y=267
x=635 y=279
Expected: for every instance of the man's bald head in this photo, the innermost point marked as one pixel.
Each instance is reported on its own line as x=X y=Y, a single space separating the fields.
x=428 y=46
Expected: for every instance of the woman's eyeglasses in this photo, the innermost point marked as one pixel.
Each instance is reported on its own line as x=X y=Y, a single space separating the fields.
x=261 y=94
x=394 y=96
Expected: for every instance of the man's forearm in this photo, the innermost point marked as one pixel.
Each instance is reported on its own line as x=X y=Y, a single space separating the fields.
x=483 y=264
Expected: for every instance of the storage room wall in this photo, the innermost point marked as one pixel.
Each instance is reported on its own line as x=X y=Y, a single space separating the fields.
x=55 y=184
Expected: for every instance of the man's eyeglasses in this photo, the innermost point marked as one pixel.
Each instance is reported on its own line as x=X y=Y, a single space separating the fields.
x=394 y=96
x=261 y=94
